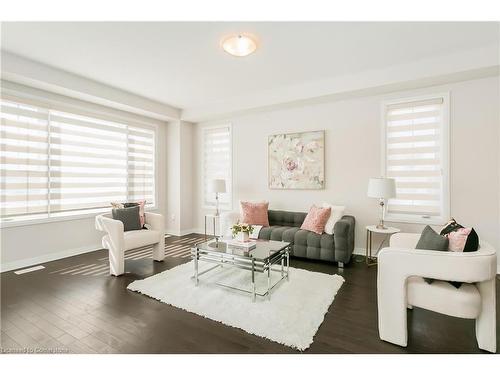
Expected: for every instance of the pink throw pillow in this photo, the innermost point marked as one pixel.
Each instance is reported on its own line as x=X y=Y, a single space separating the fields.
x=458 y=239
x=254 y=213
x=142 y=216
x=316 y=219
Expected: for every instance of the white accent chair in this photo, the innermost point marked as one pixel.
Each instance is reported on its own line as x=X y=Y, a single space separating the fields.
x=117 y=241
x=401 y=269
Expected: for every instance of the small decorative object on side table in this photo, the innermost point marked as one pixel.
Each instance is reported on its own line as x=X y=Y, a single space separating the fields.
x=370 y=229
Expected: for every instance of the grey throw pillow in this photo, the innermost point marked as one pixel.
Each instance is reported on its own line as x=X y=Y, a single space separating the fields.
x=129 y=217
x=430 y=240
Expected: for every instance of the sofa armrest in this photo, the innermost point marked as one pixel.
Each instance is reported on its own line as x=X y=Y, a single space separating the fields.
x=344 y=238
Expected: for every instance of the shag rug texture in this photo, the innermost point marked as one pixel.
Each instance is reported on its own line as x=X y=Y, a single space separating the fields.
x=291 y=317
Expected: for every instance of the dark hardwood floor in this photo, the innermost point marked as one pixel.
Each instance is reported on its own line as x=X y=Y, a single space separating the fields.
x=74 y=306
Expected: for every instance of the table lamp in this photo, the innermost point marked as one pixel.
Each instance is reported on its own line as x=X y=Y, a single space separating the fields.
x=382 y=189
x=217 y=186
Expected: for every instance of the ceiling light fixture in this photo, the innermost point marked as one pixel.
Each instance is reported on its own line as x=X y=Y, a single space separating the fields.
x=239 y=45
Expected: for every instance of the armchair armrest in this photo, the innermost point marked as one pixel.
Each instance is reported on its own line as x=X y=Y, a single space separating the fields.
x=343 y=238
x=114 y=229
x=156 y=221
x=400 y=263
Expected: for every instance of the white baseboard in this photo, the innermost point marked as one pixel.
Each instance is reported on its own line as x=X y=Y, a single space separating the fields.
x=181 y=233
x=4 y=267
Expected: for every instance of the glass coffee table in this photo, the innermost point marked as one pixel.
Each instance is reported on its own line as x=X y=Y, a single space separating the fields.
x=260 y=259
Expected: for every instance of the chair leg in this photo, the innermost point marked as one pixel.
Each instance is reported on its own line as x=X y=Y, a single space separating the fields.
x=159 y=252
x=116 y=262
x=341 y=264
x=486 y=321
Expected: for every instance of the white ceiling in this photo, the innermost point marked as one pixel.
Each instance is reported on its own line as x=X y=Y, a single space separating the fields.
x=182 y=64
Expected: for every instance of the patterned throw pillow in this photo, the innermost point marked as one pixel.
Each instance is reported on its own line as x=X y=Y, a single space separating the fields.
x=316 y=219
x=461 y=239
x=254 y=213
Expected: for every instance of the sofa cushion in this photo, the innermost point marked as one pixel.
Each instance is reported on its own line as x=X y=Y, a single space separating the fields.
x=254 y=213
x=308 y=244
x=286 y=218
x=316 y=219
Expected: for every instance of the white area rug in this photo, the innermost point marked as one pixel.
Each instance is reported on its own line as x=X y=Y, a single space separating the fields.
x=292 y=316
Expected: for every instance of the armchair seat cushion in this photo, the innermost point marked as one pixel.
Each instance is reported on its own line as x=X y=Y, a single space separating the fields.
x=140 y=238
x=440 y=296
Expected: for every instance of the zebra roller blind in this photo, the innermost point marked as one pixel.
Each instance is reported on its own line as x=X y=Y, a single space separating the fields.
x=416 y=156
x=217 y=163
x=56 y=163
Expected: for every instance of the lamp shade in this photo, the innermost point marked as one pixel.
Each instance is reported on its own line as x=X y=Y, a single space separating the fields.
x=217 y=186
x=382 y=188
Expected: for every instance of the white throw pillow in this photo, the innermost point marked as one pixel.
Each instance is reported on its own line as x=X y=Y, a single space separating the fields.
x=335 y=215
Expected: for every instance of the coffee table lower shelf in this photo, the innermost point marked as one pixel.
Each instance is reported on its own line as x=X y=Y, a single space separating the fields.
x=281 y=257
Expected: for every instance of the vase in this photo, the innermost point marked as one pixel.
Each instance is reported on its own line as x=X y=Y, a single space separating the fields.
x=242 y=237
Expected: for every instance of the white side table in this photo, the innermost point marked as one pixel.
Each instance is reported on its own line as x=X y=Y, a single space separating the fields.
x=214 y=219
x=370 y=229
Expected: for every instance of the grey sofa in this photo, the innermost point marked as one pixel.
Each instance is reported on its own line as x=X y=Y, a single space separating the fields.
x=285 y=226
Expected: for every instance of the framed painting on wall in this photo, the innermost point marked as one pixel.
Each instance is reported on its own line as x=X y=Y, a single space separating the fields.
x=297 y=160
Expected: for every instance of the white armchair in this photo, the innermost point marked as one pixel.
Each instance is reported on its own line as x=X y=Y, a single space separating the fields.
x=117 y=241
x=401 y=269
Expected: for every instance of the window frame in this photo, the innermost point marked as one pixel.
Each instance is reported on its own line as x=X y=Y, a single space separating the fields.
x=222 y=207
x=445 y=156
x=81 y=110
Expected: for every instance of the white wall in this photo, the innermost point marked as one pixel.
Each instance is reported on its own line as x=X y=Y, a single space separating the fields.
x=353 y=155
x=179 y=171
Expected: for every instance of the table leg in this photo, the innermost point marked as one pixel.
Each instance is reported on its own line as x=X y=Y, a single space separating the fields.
x=196 y=268
x=205 y=228
x=282 y=265
x=287 y=265
x=366 y=252
x=269 y=282
x=253 y=280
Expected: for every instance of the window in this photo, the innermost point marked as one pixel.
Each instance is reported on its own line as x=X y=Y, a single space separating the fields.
x=56 y=163
x=217 y=164
x=416 y=156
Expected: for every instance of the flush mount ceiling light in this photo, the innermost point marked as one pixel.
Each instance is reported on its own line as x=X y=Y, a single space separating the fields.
x=239 y=45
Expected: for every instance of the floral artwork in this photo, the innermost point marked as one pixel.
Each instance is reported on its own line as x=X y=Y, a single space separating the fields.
x=297 y=160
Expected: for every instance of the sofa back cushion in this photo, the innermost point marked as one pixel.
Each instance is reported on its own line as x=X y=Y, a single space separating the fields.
x=286 y=218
